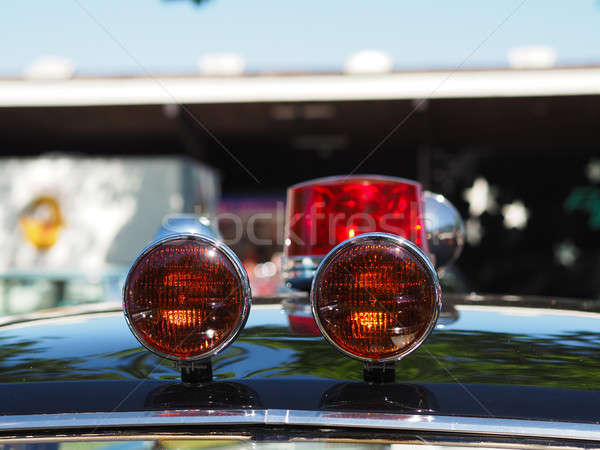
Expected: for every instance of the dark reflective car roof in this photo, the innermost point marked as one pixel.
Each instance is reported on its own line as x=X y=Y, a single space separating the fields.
x=487 y=357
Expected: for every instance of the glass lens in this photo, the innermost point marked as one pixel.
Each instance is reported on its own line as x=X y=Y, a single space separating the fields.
x=374 y=299
x=184 y=298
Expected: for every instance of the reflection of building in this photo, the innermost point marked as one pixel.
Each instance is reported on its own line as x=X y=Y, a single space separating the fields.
x=530 y=134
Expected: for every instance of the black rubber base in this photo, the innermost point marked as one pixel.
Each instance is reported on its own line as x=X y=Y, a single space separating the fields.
x=379 y=372
x=197 y=373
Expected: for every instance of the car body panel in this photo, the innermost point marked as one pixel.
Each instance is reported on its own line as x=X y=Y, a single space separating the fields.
x=488 y=357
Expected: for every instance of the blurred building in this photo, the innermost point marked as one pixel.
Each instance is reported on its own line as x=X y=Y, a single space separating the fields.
x=514 y=149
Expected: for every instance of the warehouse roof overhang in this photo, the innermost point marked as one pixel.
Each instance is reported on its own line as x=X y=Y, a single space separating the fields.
x=261 y=118
x=148 y=90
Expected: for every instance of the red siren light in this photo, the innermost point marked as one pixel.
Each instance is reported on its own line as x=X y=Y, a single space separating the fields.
x=325 y=212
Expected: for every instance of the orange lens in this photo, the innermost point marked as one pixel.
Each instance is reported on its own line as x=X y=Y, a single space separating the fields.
x=376 y=297
x=184 y=298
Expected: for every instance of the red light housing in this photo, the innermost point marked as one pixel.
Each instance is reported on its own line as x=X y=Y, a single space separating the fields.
x=376 y=297
x=325 y=212
x=186 y=297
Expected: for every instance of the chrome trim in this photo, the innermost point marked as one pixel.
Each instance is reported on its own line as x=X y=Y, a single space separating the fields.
x=416 y=252
x=176 y=224
x=282 y=417
x=240 y=271
x=300 y=268
x=444 y=229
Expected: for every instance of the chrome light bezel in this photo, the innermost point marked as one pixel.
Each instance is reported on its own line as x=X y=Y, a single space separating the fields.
x=240 y=271
x=444 y=229
x=405 y=244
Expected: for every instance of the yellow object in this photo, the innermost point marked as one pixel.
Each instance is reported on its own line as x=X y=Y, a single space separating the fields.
x=41 y=222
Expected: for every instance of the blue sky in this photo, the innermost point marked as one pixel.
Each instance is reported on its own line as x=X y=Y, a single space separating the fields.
x=170 y=36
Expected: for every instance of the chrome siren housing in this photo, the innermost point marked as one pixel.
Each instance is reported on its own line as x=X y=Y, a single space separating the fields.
x=444 y=229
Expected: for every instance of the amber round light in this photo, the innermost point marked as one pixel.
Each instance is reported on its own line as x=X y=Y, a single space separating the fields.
x=186 y=298
x=376 y=297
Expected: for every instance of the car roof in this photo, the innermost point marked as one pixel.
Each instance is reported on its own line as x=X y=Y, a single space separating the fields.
x=490 y=357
